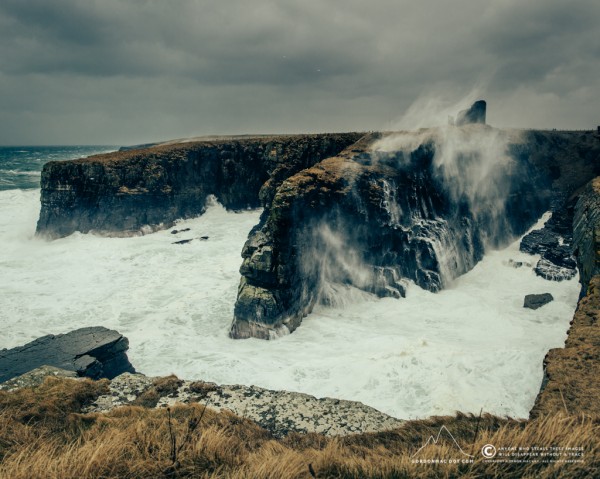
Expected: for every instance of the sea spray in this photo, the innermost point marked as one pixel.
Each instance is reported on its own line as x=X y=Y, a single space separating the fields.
x=470 y=346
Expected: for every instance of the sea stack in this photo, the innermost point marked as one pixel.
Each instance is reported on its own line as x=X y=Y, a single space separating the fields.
x=475 y=114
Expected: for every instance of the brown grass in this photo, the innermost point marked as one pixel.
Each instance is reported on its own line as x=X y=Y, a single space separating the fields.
x=43 y=435
x=574 y=371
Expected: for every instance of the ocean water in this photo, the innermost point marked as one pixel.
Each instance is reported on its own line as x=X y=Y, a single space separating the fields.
x=470 y=347
x=21 y=166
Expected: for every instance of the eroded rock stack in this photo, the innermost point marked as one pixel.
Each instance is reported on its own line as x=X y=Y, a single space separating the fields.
x=474 y=115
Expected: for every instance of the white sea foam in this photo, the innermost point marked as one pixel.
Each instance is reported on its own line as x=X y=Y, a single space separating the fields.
x=469 y=347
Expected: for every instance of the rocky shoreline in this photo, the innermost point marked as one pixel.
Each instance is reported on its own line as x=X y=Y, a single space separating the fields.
x=303 y=182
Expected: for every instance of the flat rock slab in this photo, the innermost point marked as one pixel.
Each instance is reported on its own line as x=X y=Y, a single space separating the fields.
x=280 y=412
x=535 y=301
x=95 y=352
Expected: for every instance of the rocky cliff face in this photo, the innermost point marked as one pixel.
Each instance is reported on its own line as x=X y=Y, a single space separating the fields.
x=569 y=160
x=571 y=374
x=342 y=213
x=587 y=232
x=126 y=192
x=373 y=218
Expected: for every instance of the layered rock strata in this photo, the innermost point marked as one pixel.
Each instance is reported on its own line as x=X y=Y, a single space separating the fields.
x=335 y=220
x=95 y=352
x=372 y=220
x=132 y=191
x=587 y=232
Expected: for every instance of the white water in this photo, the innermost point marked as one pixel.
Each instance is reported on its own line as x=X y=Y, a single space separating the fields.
x=469 y=347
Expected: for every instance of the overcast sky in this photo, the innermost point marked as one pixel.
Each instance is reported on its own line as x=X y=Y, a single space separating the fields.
x=134 y=71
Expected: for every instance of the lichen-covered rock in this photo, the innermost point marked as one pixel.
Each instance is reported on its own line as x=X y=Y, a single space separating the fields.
x=280 y=412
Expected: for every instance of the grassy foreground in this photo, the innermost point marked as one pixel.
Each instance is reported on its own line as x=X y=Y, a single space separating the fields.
x=44 y=435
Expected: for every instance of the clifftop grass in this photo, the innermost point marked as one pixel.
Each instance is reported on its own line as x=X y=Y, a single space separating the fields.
x=44 y=435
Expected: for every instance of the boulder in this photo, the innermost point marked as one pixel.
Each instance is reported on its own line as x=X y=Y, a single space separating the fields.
x=535 y=301
x=95 y=352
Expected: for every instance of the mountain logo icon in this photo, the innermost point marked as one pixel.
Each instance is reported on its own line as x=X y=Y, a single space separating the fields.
x=447 y=435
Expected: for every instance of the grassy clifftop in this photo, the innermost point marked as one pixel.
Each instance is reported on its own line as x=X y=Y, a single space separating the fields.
x=43 y=434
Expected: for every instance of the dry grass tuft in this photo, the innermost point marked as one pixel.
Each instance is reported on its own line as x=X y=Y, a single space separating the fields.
x=44 y=435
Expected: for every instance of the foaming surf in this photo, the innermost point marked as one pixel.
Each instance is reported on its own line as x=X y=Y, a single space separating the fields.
x=469 y=347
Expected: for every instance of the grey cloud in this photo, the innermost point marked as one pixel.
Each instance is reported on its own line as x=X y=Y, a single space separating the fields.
x=119 y=71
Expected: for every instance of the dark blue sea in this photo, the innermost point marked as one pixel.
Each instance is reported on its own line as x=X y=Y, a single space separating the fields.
x=21 y=166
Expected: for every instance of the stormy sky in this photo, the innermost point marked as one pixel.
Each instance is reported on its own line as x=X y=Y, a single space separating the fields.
x=133 y=71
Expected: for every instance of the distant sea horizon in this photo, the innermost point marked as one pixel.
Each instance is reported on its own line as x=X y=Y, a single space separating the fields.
x=21 y=165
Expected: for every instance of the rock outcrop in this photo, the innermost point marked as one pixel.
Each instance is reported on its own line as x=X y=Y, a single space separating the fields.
x=280 y=412
x=337 y=212
x=473 y=115
x=587 y=232
x=372 y=220
x=554 y=242
x=571 y=382
x=95 y=352
x=132 y=191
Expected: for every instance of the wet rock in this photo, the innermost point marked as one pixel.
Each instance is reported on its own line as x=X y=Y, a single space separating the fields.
x=185 y=241
x=371 y=225
x=539 y=241
x=535 y=301
x=518 y=264
x=94 y=352
x=552 y=272
x=554 y=243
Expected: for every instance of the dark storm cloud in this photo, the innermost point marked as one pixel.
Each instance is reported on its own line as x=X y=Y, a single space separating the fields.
x=530 y=41
x=209 y=42
x=138 y=70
